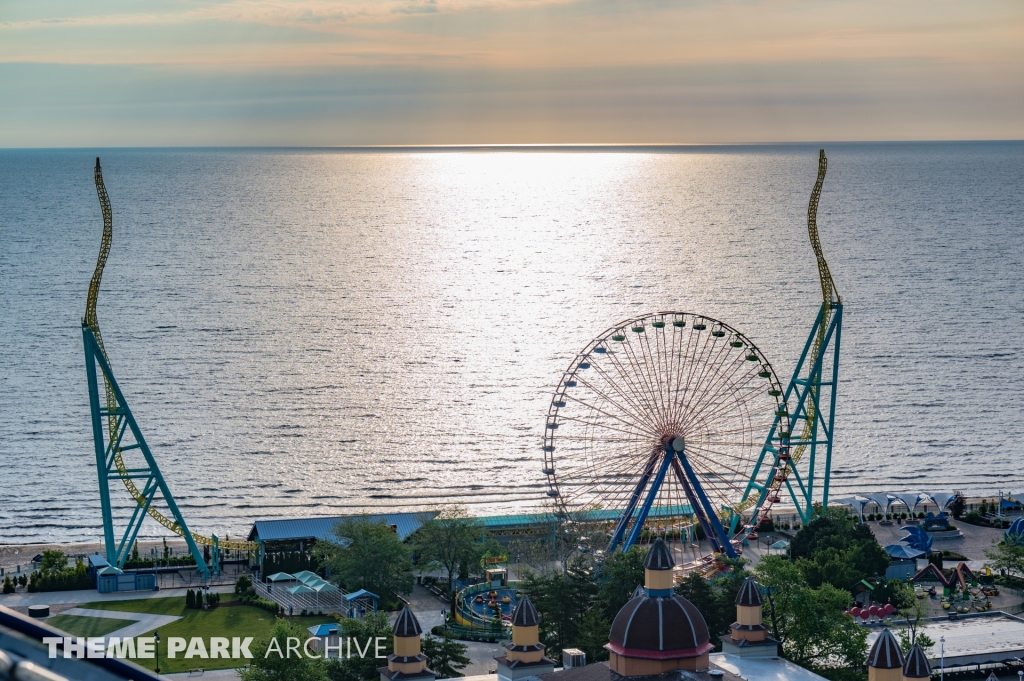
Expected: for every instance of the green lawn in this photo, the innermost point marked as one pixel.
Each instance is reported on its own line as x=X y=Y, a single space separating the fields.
x=229 y=621
x=77 y=625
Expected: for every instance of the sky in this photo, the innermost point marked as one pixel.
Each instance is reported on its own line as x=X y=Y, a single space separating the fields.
x=412 y=72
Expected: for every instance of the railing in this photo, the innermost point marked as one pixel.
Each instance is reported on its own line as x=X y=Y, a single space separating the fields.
x=465 y=616
x=331 y=601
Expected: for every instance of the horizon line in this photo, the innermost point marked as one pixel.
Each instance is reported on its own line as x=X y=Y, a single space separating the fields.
x=542 y=146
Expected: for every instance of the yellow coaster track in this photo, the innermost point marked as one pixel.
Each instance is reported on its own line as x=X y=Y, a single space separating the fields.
x=113 y=422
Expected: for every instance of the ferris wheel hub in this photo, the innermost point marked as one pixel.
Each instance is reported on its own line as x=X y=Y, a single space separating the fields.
x=678 y=444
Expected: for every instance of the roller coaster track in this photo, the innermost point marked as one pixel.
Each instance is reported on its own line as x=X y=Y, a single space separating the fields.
x=115 y=427
x=829 y=298
x=805 y=388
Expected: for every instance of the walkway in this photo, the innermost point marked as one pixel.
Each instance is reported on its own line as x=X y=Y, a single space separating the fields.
x=136 y=623
x=22 y=600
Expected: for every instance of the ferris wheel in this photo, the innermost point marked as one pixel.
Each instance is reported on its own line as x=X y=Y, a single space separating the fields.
x=658 y=427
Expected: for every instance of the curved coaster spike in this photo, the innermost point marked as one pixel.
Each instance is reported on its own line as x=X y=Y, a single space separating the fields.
x=810 y=394
x=123 y=434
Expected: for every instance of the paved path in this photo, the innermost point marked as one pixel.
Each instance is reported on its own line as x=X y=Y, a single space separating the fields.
x=136 y=623
x=25 y=599
x=212 y=675
x=427 y=608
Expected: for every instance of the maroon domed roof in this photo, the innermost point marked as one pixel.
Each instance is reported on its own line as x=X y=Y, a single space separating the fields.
x=885 y=653
x=662 y=628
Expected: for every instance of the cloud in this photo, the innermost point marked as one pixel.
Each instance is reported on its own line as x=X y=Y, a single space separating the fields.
x=451 y=71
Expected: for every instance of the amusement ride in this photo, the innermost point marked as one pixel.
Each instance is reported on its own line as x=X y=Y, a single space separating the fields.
x=672 y=424
x=675 y=424
x=121 y=450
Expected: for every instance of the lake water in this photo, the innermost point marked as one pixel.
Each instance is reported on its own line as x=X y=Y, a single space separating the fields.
x=313 y=332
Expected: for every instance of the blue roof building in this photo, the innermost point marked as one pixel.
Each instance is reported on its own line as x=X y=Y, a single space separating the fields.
x=310 y=530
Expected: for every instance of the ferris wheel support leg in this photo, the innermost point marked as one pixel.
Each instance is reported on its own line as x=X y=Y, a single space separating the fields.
x=724 y=545
x=634 y=499
x=641 y=518
x=698 y=510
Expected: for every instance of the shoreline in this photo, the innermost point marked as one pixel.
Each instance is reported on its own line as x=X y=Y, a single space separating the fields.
x=12 y=555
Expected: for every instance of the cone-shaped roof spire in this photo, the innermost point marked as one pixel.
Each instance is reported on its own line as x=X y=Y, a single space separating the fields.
x=885 y=653
x=406 y=625
x=659 y=557
x=916 y=666
x=749 y=594
x=525 y=615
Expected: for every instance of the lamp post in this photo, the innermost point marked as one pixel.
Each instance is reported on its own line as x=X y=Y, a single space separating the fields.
x=156 y=634
x=942 y=659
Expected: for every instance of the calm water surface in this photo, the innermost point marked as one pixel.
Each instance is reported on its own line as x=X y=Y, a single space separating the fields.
x=314 y=332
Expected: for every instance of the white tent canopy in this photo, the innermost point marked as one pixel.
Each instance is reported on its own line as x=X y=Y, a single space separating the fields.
x=941 y=499
x=909 y=499
x=882 y=499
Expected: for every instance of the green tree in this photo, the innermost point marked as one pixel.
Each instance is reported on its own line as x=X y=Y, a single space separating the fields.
x=781 y=579
x=451 y=539
x=1006 y=555
x=621 y=574
x=958 y=505
x=821 y=636
x=445 y=656
x=190 y=599
x=243 y=584
x=593 y=635
x=833 y=549
x=8 y=585
x=715 y=599
x=268 y=665
x=355 y=668
x=562 y=600
x=908 y=638
x=368 y=555
x=53 y=561
x=898 y=593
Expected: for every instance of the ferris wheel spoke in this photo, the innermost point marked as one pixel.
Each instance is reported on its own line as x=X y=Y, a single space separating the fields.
x=640 y=369
x=706 y=380
x=636 y=425
x=654 y=369
x=629 y=380
x=729 y=378
x=703 y=462
x=738 y=405
x=726 y=385
x=593 y=388
x=697 y=366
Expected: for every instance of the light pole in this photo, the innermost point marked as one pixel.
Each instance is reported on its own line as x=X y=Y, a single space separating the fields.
x=942 y=658
x=157 y=635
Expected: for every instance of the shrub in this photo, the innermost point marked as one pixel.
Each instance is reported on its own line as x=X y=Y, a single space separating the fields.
x=190 y=599
x=256 y=602
x=243 y=584
x=8 y=585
